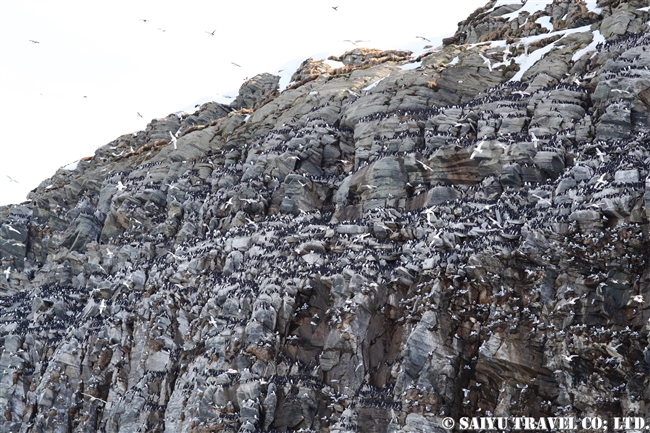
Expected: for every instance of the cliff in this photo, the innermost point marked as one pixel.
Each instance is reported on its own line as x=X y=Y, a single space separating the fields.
x=375 y=248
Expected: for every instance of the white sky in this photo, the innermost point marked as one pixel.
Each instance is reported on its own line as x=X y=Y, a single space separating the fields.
x=102 y=50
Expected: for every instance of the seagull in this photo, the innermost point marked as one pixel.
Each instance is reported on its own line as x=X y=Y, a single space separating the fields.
x=477 y=150
x=211 y=33
x=505 y=53
x=162 y=30
x=368 y=186
x=7 y=272
x=541 y=199
x=336 y=8
x=570 y=357
x=120 y=186
x=423 y=38
x=534 y=139
x=521 y=93
x=12 y=180
x=637 y=298
x=601 y=179
x=600 y=154
x=144 y=21
x=236 y=64
x=95 y=398
x=139 y=115
x=102 y=307
x=173 y=140
x=358 y=41
x=213 y=322
x=34 y=42
x=109 y=253
x=249 y=200
x=12 y=229
x=486 y=61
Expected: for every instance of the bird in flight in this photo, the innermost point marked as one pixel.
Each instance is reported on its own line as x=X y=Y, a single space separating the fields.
x=173 y=140
x=423 y=38
x=144 y=21
x=336 y=8
x=236 y=64
x=354 y=42
x=34 y=42
x=211 y=33
x=139 y=115
x=162 y=30
x=12 y=179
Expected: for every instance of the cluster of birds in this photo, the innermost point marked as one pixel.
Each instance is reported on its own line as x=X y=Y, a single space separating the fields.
x=218 y=280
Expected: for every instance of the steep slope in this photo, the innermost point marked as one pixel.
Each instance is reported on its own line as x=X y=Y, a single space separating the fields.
x=375 y=248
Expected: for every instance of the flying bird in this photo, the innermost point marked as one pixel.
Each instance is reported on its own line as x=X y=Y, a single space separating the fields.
x=139 y=115
x=477 y=150
x=12 y=180
x=236 y=64
x=120 y=186
x=570 y=357
x=211 y=33
x=423 y=38
x=162 y=30
x=92 y=397
x=7 y=272
x=336 y=8
x=487 y=62
x=144 y=21
x=355 y=43
x=173 y=140
x=34 y=42
x=102 y=306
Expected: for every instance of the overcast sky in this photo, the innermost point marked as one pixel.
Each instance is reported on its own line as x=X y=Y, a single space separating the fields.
x=97 y=64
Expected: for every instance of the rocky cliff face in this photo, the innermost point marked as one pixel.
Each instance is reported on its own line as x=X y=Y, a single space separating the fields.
x=374 y=248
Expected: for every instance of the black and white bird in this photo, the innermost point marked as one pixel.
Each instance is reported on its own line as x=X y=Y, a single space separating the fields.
x=336 y=8
x=34 y=42
x=423 y=38
x=211 y=33
x=236 y=64
x=12 y=179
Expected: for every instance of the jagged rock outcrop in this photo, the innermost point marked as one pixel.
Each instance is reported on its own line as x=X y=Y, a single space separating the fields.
x=256 y=89
x=372 y=249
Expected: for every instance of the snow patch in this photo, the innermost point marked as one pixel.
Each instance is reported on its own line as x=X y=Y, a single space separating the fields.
x=593 y=7
x=409 y=66
x=373 y=85
x=334 y=64
x=526 y=61
x=598 y=38
x=545 y=22
x=71 y=167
